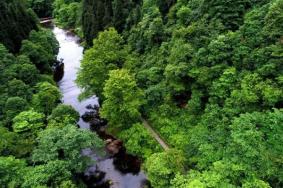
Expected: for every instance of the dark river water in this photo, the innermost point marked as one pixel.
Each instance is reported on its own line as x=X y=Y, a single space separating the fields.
x=71 y=52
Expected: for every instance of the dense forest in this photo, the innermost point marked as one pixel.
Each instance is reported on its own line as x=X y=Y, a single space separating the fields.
x=40 y=144
x=207 y=76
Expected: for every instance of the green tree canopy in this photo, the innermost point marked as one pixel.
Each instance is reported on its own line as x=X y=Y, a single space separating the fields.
x=108 y=53
x=66 y=144
x=43 y=8
x=13 y=106
x=122 y=99
x=161 y=167
x=51 y=174
x=62 y=111
x=8 y=141
x=16 y=24
x=17 y=88
x=12 y=171
x=139 y=141
x=46 y=98
x=28 y=121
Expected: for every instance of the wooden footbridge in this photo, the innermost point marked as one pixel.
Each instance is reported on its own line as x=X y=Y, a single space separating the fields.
x=47 y=20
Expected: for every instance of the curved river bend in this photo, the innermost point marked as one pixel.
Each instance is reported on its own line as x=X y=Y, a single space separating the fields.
x=71 y=52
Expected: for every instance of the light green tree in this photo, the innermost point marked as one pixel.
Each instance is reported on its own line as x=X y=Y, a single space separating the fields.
x=138 y=141
x=106 y=54
x=162 y=167
x=122 y=99
x=11 y=171
x=28 y=121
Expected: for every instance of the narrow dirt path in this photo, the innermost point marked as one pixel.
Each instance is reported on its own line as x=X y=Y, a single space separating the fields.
x=155 y=135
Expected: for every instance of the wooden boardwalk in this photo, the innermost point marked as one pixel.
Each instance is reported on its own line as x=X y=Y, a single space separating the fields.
x=155 y=135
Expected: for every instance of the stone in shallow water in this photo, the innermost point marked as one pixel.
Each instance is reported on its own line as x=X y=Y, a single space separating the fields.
x=89 y=116
x=114 y=146
x=58 y=71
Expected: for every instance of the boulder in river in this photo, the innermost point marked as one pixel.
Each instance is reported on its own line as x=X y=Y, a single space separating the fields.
x=93 y=107
x=114 y=146
x=58 y=70
x=89 y=116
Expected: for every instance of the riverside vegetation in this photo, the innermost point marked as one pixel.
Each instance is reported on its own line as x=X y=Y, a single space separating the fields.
x=40 y=144
x=207 y=75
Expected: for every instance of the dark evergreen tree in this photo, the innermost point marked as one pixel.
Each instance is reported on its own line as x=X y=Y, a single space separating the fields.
x=15 y=24
x=96 y=17
x=102 y=14
x=43 y=8
x=122 y=11
x=165 y=5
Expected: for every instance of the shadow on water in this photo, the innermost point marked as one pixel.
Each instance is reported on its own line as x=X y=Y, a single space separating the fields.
x=116 y=169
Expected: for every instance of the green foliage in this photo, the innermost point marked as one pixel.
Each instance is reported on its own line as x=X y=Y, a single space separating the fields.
x=255 y=143
x=274 y=20
x=139 y=141
x=46 y=98
x=28 y=121
x=16 y=24
x=13 y=107
x=25 y=71
x=161 y=167
x=95 y=18
x=211 y=74
x=229 y=12
x=47 y=78
x=165 y=5
x=11 y=171
x=125 y=13
x=19 y=88
x=63 y=112
x=108 y=53
x=68 y=13
x=178 y=60
x=66 y=144
x=43 y=8
x=42 y=48
x=148 y=32
x=18 y=76
x=122 y=99
x=30 y=124
x=8 y=141
x=207 y=74
x=51 y=174
x=101 y=14
x=45 y=38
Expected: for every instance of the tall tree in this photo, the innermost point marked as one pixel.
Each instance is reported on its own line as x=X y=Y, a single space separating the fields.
x=47 y=97
x=43 y=8
x=66 y=144
x=96 y=17
x=15 y=24
x=161 y=167
x=107 y=53
x=122 y=99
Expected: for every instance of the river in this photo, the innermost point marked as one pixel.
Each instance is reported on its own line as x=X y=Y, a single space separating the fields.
x=72 y=53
